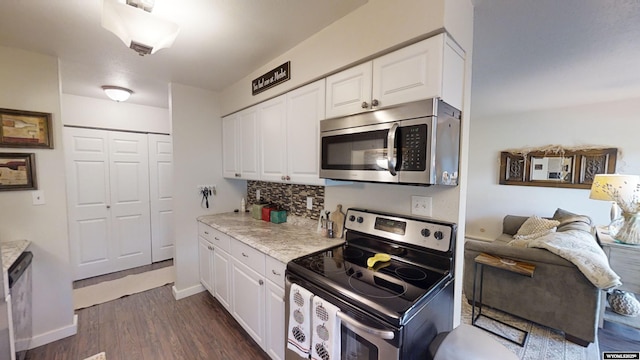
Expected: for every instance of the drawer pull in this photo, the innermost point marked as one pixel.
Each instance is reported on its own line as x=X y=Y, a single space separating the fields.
x=216 y=238
x=245 y=255
x=260 y=282
x=275 y=272
x=206 y=232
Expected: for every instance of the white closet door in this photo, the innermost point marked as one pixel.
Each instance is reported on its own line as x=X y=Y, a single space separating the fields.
x=88 y=200
x=130 y=215
x=108 y=201
x=161 y=196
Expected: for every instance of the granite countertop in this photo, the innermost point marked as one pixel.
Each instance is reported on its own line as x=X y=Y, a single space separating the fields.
x=284 y=242
x=11 y=250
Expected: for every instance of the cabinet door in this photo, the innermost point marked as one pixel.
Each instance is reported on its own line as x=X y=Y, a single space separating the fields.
x=248 y=291
x=221 y=267
x=275 y=321
x=205 y=263
x=409 y=74
x=348 y=90
x=248 y=143
x=230 y=155
x=305 y=109
x=272 y=118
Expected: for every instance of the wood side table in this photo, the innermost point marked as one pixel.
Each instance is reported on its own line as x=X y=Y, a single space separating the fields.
x=624 y=259
x=518 y=267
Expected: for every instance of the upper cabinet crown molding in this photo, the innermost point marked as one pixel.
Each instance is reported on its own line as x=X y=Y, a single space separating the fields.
x=430 y=68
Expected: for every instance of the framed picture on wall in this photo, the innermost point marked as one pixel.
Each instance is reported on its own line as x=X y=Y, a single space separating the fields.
x=25 y=129
x=18 y=171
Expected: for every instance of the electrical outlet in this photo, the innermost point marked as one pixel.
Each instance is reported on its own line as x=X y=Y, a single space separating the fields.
x=258 y=195
x=421 y=205
x=309 y=202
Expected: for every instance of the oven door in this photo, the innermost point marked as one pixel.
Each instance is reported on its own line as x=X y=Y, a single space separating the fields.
x=395 y=152
x=361 y=338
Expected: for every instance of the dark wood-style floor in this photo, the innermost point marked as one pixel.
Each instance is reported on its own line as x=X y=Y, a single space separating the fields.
x=152 y=325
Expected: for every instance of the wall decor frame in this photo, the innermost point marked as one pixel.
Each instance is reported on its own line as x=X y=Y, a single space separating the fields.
x=25 y=129
x=18 y=171
x=556 y=166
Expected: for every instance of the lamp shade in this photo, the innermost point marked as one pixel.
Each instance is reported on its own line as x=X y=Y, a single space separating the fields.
x=117 y=93
x=138 y=29
x=613 y=187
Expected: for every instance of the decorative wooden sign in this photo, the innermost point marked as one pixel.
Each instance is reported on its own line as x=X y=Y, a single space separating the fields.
x=274 y=77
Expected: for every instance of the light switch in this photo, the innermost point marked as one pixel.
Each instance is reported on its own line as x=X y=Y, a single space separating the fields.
x=309 y=202
x=38 y=197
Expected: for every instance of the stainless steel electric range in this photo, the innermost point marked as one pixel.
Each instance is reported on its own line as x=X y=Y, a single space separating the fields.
x=387 y=309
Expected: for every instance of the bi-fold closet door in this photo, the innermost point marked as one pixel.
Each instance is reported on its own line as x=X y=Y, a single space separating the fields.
x=108 y=199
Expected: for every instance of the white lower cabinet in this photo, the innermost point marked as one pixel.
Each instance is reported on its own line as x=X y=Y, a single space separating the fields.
x=205 y=255
x=247 y=307
x=248 y=283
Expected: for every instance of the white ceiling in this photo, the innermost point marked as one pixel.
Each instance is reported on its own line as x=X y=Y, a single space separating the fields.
x=220 y=41
x=528 y=54
x=541 y=54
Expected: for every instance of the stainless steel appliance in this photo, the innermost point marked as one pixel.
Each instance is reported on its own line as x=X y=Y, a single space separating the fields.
x=20 y=288
x=414 y=143
x=393 y=309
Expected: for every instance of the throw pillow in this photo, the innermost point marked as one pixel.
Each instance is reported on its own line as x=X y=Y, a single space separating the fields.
x=536 y=226
x=571 y=221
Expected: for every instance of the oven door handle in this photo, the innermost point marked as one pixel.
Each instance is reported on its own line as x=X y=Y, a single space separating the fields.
x=355 y=325
x=391 y=155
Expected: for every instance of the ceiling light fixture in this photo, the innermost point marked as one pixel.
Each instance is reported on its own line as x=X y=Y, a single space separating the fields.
x=134 y=24
x=117 y=93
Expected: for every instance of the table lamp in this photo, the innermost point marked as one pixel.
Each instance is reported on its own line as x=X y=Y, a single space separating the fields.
x=623 y=191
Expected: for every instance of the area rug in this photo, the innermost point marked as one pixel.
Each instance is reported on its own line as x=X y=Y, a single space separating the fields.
x=542 y=342
x=101 y=356
x=115 y=289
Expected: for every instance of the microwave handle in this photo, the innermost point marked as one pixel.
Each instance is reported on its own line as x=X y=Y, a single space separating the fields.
x=355 y=325
x=391 y=155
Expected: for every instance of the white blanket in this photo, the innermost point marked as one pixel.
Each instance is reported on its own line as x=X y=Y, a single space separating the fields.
x=579 y=248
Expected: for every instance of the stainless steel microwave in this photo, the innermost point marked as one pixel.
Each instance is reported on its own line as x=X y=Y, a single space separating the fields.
x=413 y=143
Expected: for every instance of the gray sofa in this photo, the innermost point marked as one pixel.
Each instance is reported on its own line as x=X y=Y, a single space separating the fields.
x=558 y=295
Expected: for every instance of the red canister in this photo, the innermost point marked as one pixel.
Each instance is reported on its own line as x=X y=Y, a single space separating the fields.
x=266 y=212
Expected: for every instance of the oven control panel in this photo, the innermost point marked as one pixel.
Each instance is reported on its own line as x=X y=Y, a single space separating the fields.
x=431 y=234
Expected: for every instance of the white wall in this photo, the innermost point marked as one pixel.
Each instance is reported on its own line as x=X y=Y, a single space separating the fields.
x=30 y=82
x=613 y=124
x=197 y=159
x=108 y=114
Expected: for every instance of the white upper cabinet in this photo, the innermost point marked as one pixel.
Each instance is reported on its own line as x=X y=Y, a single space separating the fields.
x=349 y=91
x=240 y=145
x=431 y=68
x=305 y=109
x=272 y=119
x=230 y=148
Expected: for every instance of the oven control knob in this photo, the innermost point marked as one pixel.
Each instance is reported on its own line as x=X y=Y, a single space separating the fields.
x=360 y=219
x=352 y=217
x=425 y=232
x=438 y=235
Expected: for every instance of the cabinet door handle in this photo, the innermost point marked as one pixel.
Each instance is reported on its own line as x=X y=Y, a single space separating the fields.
x=237 y=175
x=374 y=103
x=275 y=272
x=364 y=105
x=245 y=255
x=108 y=206
x=260 y=282
x=210 y=247
x=288 y=177
x=282 y=177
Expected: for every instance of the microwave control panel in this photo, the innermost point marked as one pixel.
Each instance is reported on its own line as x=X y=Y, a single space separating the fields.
x=413 y=145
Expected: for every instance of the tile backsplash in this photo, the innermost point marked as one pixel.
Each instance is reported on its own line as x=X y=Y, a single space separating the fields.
x=290 y=197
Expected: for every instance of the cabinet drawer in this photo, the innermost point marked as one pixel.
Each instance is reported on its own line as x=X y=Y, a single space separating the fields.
x=274 y=271
x=248 y=256
x=215 y=237
x=205 y=231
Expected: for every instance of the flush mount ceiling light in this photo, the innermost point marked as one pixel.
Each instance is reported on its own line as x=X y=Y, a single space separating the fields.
x=117 y=93
x=134 y=24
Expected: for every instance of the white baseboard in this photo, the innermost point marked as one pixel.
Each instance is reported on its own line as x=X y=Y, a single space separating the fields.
x=181 y=294
x=55 y=335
